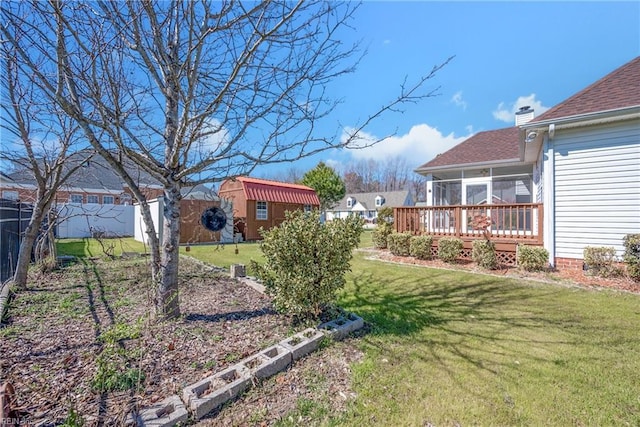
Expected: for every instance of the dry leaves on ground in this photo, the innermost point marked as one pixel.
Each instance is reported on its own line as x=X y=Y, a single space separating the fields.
x=57 y=341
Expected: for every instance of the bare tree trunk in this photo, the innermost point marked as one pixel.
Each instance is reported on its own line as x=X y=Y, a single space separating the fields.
x=167 y=304
x=26 y=246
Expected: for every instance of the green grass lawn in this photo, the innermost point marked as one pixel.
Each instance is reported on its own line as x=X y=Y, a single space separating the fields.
x=451 y=347
x=448 y=347
x=86 y=247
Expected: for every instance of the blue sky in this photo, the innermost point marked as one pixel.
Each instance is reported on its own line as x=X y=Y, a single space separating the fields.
x=507 y=54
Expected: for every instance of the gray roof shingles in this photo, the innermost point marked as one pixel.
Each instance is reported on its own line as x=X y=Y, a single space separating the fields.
x=368 y=200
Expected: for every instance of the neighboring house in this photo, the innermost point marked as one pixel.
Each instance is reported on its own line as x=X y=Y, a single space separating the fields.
x=96 y=200
x=95 y=182
x=366 y=205
x=567 y=179
x=260 y=203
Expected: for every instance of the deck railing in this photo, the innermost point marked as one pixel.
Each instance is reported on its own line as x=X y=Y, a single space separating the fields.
x=515 y=222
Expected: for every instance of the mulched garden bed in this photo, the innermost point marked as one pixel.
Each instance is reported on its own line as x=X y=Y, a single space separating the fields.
x=562 y=277
x=94 y=316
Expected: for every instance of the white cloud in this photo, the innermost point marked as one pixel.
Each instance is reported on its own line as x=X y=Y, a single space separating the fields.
x=418 y=146
x=216 y=136
x=457 y=100
x=506 y=113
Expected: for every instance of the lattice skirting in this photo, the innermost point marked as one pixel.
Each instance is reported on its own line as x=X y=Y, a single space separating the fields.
x=504 y=257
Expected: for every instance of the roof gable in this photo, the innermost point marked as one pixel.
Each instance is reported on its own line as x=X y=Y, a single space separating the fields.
x=483 y=147
x=278 y=192
x=616 y=90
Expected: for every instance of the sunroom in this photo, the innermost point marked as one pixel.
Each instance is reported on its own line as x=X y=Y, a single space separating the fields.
x=491 y=195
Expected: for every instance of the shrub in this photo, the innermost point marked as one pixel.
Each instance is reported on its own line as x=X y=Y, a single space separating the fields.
x=632 y=255
x=384 y=227
x=449 y=248
x=381 y=234
x=600 y=260
x=532 y=258
x=399 y=243
x=484 y=254
x=306 y=261
x=420 y=247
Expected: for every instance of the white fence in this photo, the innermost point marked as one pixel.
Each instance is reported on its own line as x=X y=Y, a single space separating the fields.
x=83 y=220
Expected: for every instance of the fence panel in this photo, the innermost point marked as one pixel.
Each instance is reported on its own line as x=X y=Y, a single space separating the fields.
x=14 y=218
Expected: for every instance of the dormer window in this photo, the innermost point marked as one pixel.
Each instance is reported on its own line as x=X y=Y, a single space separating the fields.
x=379 y=201
x=351 y=201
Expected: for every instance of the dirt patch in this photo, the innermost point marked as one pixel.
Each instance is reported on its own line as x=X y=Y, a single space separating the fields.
x=71 y=330
x=563 y=277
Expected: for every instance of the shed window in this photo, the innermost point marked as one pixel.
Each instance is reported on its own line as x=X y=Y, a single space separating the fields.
x=107 y=200
x=76 y=198
x=92 y=198
x=307 y=208
x=261 y=211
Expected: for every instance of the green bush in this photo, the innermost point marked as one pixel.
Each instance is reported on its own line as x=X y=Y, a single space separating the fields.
x=532 y=258
x=449 y=248
x=384 y=227
x=420 y=247
x=601 y=261
x=381 y=234
x=399 y=243
x=306 y=261
x=632 y=255
x=484 y=254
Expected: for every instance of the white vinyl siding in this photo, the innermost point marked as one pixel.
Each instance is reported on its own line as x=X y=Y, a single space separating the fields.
x=597 y=187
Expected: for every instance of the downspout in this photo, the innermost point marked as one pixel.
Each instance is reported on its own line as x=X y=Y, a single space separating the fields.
x=548 y=183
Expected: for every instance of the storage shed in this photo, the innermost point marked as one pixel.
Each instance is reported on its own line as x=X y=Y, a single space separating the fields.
x=196 y=212
x=260 y=203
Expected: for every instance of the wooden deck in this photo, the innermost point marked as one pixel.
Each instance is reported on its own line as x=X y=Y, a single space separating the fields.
x=511 y=224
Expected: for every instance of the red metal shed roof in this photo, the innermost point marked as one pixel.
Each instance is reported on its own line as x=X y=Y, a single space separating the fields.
x=280 y=192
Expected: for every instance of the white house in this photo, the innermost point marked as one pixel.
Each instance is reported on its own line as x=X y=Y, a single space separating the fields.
x=366 y=205
x=567 y=179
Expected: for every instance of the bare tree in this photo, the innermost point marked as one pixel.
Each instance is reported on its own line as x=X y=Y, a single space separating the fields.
x=195 y=92
x=365 y=176
x=44 y=137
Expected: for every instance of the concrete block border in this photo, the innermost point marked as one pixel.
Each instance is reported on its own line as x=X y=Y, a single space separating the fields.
x=210 y=393
x=165 y=413
x=268 y=362
x=303 y=343
x=340 y=328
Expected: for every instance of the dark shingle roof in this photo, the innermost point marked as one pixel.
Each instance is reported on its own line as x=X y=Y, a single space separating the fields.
x=95 y=174
x=488 y=146
x=618 y=89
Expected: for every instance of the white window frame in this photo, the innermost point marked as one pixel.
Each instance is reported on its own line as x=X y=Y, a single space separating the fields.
x=262 y=210
x=93 y=197
x=350 y=202
x=379 y=201
x=72 y=196
x=105 y=200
